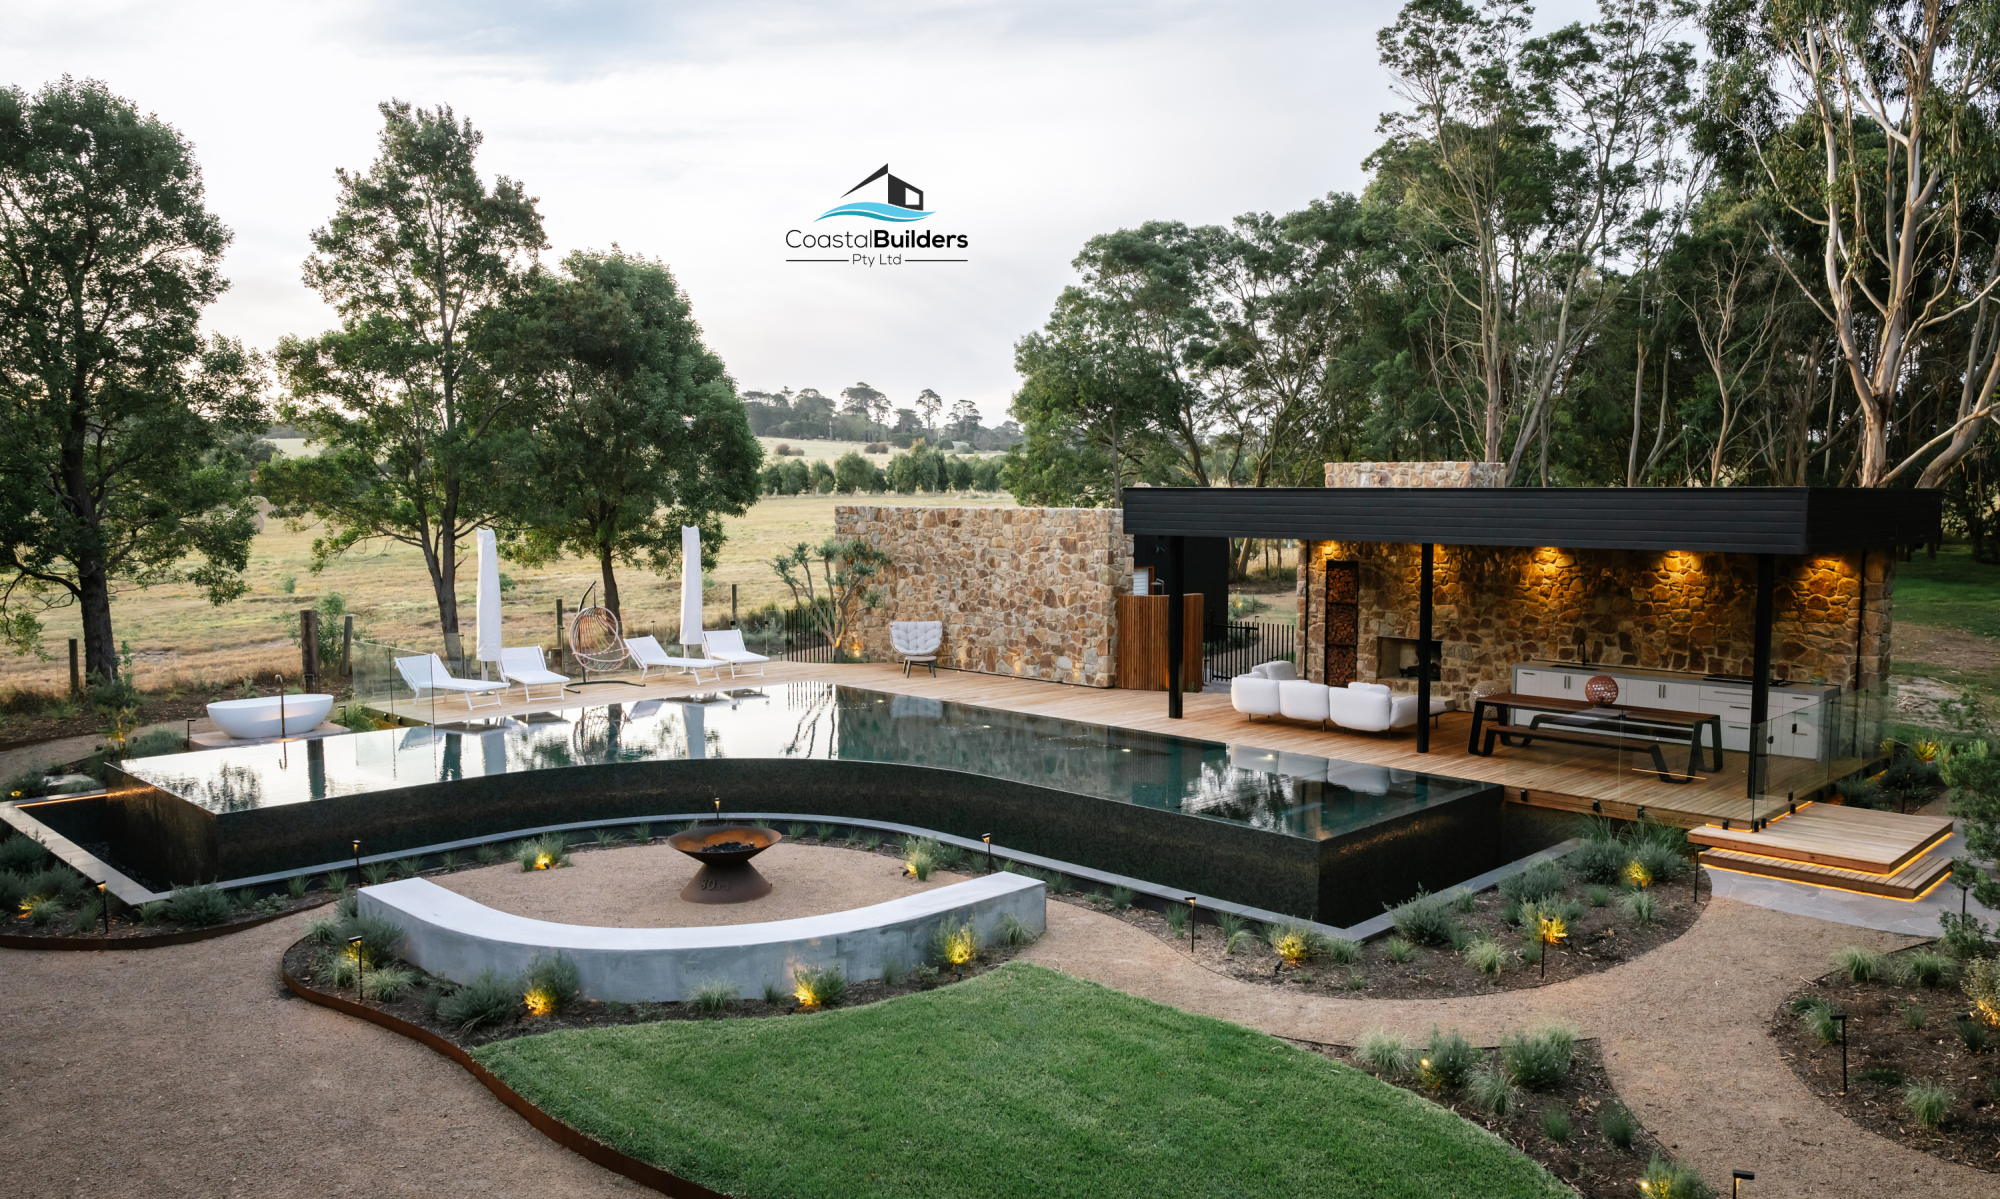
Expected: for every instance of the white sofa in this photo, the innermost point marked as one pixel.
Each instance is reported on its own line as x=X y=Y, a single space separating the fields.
x=1362 y=707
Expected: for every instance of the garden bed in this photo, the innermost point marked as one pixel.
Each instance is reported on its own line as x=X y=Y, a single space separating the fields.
x=1889 y=1052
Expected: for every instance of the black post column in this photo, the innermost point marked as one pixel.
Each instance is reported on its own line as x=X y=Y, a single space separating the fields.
x=1424 y=653
x=1176 y=558
x=1760 y=674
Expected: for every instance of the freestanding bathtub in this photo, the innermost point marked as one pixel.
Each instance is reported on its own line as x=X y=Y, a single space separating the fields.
x=254 y=719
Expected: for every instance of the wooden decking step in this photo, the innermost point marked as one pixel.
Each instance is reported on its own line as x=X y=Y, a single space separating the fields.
x=1910 y=882
x=1857 y=839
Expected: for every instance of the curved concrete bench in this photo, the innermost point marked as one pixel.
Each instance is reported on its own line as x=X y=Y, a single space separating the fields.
x=456 y=938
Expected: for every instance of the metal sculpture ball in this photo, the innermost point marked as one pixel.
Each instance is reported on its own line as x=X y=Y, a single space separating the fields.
x=1601 y=689
x=594 y=639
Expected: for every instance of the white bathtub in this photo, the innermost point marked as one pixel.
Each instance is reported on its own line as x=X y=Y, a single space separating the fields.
x=253 y=719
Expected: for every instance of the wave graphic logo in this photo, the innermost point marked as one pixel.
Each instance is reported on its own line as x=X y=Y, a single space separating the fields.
x=901 y=203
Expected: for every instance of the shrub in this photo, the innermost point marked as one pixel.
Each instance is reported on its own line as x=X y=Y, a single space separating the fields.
x=796 y=832
x=872 y=841
x=1925 y=968
x=1448 y=1058
x=1980 y=981
x=1556 y=1126
x=380 y=939
x=1817 y=1015
x=1356 y=980
x=1972 y=1032
x=1597 y=894
x=336 y=880
x=13 y=889
x=449 y=859
x=152 y=912
x=375 y=873
x=1617 y=1125
x=243 y=898
x=1463 y=899
x=29 y=784
x=1489 y=1091
x=1425 y=920
x=823 y=831
x=1398 y=950
x=550 y=984
x=486 y=854
x=1662 y=861
x=1177 y=919
x=892 y=972
x=197 y=906
x=1293 y=942
x=324 y=931
x=918 y=863
x=1672 y=1180
x=1538 y=882
x=21 y=853
x=1121 y=897
x=296 y=885
x=433 y=995
x=1598 y=861
x=713 y=998
x=388 y=984
x=1486 y=956
x=1914 y=1016
x=42 y=911
x=642 y=833
x=925 y=977
x=1860 y=963
x=55 y=882
x=1639 y=906
x=1341 y=951
x=409 y=867
x=487 y=999
x=1887 y=1076
x=1540 y=1058
x=543 y=853
x=1385 y=1054
x=819 y=986
x=1510 y=911
x=1013 y=933
x=774 y=995
x=1927 y=1103
x=348 y=905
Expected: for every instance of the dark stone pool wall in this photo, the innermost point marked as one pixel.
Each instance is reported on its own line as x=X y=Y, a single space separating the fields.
x=1339 y=880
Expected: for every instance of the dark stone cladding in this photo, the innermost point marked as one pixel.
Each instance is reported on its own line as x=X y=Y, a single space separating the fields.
x=1339 y=880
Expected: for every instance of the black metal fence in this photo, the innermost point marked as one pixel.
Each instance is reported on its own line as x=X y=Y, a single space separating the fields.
x=787 y=634
x=1228 y=650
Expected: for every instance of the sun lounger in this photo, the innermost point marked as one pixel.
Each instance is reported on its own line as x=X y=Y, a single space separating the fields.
x=651 y=655
x=528 y=666
x=727 y=645
x=426 y=672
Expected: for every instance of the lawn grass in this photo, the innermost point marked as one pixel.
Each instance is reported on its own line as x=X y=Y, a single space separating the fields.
x=1021 y=1082
x=1951 y=592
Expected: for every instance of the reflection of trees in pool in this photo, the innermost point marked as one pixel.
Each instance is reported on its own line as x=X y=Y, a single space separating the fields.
x=232 y=788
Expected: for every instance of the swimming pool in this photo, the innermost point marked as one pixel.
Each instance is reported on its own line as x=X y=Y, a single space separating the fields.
x=1297 y=833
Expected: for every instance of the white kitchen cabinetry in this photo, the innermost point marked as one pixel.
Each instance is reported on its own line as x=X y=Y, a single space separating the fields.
x=1794 y=720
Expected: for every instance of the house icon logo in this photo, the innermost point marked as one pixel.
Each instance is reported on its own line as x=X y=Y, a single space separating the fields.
x=888 y=199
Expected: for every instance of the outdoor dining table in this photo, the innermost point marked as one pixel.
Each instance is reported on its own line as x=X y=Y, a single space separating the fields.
x=1576 y=722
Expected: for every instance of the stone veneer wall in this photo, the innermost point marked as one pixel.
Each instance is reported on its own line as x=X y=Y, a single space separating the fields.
x=1681 y=611
x=1416 y=474
x=1029 y=592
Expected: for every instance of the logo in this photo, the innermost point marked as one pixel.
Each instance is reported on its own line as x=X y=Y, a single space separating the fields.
x=895 y=206
x=888 y=200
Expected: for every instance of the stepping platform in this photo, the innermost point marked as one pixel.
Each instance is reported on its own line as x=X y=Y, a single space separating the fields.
x=1850 y=839
x=1910 y=882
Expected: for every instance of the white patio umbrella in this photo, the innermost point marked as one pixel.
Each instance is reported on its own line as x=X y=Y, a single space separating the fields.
x=690 y=585
x=487 y=605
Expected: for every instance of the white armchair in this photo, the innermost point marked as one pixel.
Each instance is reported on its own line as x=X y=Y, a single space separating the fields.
x=917 y=641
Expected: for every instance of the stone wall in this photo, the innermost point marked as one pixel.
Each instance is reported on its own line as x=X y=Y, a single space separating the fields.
x=1029 y=592
x=1416 y=474
x=1495 y=607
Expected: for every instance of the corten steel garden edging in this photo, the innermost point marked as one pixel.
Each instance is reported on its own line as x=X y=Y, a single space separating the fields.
x=643 y=1173
x=186 y=936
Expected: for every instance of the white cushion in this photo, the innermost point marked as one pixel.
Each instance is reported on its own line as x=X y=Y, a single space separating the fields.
x=1280 y=670
x=1374 y=688
x=1403 y=712
x=1299 y=699
x=1359 y=707
x=915 y=637
x=1253 y=696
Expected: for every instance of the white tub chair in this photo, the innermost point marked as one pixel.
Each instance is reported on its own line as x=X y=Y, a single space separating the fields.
x=1253 y=695
x=917 y=641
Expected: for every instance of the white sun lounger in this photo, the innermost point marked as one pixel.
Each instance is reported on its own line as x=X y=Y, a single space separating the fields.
x=528 y=666
x=651 y=655
x=727 y=644
x=426 y=672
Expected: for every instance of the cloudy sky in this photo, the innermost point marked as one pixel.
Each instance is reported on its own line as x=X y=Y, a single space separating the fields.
x=701 y=132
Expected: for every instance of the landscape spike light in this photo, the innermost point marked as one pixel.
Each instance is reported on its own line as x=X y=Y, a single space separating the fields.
x=988 y=838
x=357 y=865
x=1736 y=1180
x=1842 y=1018
x=354 y=947
x=1192 y=924
x=104 y=907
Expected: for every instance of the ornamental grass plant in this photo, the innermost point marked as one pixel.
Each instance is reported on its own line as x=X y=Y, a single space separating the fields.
x=487 y=999
x=197 y=906
x=1424 y=920
x=1540 y=1058
x=1386 y=1054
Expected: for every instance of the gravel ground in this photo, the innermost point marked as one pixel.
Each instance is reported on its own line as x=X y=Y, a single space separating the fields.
x=188 y=1070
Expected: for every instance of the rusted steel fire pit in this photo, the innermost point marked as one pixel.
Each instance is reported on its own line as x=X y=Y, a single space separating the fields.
x=724 y=851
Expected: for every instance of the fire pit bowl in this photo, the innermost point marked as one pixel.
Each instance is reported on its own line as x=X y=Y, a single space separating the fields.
x=724 y=851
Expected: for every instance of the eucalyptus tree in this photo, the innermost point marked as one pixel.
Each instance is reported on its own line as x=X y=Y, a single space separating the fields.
x=1530 y=156
x=411 y=415
x=116 y=414
x=1872 y=122
x=636 y=427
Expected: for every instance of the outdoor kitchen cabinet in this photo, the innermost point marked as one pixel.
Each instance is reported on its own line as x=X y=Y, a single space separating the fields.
x=1795 y=716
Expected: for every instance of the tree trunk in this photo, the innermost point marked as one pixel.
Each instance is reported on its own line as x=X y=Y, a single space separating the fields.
x=611 y=581
x=446 y=582
x=100 y=649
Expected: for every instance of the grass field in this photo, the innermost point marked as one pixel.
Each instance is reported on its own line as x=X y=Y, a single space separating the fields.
x=1951 y=592
x=173 y=630
x=1021 y=1082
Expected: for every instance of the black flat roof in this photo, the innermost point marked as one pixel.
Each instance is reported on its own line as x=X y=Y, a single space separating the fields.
x=1731 y=520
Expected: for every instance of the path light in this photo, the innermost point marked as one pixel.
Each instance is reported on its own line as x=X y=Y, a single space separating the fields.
x=104 y=907
x=1637 y=874
x=1193 y=924
x=1736 y=1180
x=354 y=950
x=357 y=864
x=718 y=810
x=1842 y=1017
x=988 y=838
x=1552 y=929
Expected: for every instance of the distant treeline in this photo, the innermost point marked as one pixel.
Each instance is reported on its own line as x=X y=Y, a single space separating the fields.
x=922 y=469
x=861 y=413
